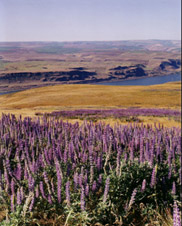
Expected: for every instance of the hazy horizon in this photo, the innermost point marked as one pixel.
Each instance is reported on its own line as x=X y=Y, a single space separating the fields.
x=89 y=20
x=137 y=40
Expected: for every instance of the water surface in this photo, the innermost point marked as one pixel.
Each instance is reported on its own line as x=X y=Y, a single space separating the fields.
x=145 y=81
x=8 y=92
x=135 y=82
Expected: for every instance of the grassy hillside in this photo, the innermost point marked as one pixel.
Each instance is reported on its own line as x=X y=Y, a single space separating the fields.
x=61 y=97
x=95 y=96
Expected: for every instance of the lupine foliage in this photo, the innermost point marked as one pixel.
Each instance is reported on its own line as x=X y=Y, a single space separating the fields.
x=87 y=174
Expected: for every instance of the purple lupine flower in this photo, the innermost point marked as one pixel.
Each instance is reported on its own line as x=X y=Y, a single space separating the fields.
x=42 y=189
x=32 y=203
x=52 y=186
x=118 y=162
x=173 y=188
x=45 y=177
x=90 y=156
x=1 y=182
x=176 y=215
x=12 y=187
x=21 y=193
x=132 y=200
x=59 y=180
x=94 y=186
x=8 y=167
x=18 y=197
x=169 y=155
x=49 y=198
x=80 y=178
x=100 y=179
x=73 y=166
x=59 y=185
x=99 y=163
x=147 y=151
x=31 y=183
x=91 y=173
x=33 y=166
x=82 y=199
x=141 y=151
x=18 y=172
x=6 y=177
x=87 y=190
x=25 y=174
x=37 y=192
x=50 y=154
x=84 y=159
x=106 y=190
x=158 y=153
x=65 y=156
x=68 y=193
x=75 y=179
x=46 y=156
x=151 y=154
x=131 y=154
x=153 y=178
x=125 y=157
x=143 y=185
x=86 y=178
x=68 y=169
x=12 y=203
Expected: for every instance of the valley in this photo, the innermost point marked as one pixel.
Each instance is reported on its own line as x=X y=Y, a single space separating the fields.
x=25 y=65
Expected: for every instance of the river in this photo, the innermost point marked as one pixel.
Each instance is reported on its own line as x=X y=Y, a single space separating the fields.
x=145 y=81
x=136 y=82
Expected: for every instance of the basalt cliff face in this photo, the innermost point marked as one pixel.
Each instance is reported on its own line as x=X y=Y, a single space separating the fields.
x=35 y=64
x=83 y=75
x=171 y=63
x=25 y=80
x=124 y=72
x=51 y=76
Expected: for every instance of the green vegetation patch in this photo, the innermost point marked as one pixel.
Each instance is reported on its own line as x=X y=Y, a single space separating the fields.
x=8 y=48
x=57 y=50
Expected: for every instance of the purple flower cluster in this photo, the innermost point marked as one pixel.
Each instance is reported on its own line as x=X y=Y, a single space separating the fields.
x=132 y=200
x=106 y=189
x=153 y=178
x=116 y=113
x=176 y=215
x=52 y=159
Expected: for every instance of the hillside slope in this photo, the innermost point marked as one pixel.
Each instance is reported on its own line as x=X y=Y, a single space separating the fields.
x=92 y=96
x=36 y=64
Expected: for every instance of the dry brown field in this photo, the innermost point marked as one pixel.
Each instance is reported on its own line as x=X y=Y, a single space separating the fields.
x=70 y=97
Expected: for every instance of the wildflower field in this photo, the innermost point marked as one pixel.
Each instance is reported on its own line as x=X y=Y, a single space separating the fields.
x=127 y=114
x=56 y=173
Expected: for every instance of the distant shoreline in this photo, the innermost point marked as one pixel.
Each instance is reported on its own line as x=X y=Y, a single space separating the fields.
x=100 y=83
x=142 y=78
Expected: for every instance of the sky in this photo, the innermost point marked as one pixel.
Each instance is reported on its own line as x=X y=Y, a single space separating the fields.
x=89 y=20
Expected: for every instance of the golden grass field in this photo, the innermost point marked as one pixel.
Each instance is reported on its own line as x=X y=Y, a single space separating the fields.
x=69 y=97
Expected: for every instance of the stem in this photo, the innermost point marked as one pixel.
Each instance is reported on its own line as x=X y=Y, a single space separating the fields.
x=68 y=217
